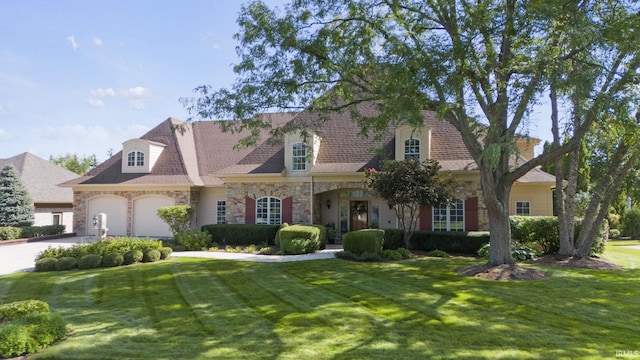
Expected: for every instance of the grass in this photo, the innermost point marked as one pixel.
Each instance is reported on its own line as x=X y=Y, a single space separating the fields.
x=334 y=309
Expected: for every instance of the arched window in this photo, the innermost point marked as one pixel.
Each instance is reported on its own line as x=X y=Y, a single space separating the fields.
x=135 y=158
x=450 y=217
x=268 y=211
x=412 y=149
x=299 y=157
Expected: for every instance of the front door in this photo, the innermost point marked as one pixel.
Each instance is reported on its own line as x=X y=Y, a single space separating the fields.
x=358 y=214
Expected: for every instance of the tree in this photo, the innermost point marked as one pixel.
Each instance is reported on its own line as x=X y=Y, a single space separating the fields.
x=481 y=65
x=178 y=217
x=408 y=186
x=72 y=162
x=16 y=208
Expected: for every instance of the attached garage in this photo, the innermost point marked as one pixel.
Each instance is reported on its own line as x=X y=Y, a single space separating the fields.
x=145 y=218
x=116 y=209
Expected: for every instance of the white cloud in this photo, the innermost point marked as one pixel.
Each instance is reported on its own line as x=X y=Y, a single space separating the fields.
x=73 y=42
x=216 y=46
x=136 y=92
x=136 y=104
x=4 y=135
x=96 y=103
x=103 y=92
x=97 y=41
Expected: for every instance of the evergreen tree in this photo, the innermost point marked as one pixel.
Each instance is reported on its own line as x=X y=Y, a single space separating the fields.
x=16 y=208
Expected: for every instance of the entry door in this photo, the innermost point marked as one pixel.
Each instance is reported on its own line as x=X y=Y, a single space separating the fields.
x=359 y=211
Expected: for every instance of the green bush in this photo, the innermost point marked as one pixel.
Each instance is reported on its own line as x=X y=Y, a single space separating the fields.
x=37 y=231
x=361 y=241
x=614 y=234
x=178 y=217
x=450 y=241
x=102 y=248
x=132 y=256
x=363 y=257
x=438 y=253
x=9 y=232
x=165 y=252
x=242 y=234
x=311 y=231
x=518 y=251
x=393 y=239
x=15 y=341
x=151 y=255
x=19 y=309
x=391 y=255
x=112 y=259
x=282 y=226
x=631 y=223
x=44 y=329
x=66 y=263
x=46 y=264
x=195 y=240
x=89 y=261
x=298 y=246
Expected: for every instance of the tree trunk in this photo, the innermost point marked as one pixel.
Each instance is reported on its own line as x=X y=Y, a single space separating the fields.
x=496 y=197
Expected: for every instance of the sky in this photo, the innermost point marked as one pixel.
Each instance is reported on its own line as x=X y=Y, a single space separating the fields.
x=83 y=76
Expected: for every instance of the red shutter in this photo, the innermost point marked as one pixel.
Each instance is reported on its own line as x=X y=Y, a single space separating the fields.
x=471 y=214
x=287 y=210
x=426 y=219
x=249 y=210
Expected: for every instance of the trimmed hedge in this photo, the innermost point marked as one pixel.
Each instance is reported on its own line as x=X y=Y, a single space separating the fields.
x=12 y=232
x=165 y=252
x=150 y=255
x=102 y=248
x=363 y=241
x=312 y=232
x=241 y=234
x=449 y=241
x=132 y=256
x=112 y=259
x=46 y=264
x=90 y=261
x=393 y=239
x=66 y=263
x=298 y=246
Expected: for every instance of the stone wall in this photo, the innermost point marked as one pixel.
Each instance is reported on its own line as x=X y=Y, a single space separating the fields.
x=299 y=191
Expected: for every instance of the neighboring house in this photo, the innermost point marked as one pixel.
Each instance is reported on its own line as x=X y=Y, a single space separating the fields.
x=316 y=179
x=53 y=205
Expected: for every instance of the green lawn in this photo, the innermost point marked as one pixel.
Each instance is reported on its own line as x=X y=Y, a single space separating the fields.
x=334 y=309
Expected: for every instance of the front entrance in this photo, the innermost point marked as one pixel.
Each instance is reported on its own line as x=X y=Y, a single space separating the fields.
x=358 y=214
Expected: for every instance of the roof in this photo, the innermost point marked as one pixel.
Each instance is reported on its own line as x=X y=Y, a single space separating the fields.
x=40 y=177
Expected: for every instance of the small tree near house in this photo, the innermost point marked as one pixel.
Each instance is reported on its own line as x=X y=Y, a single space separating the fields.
x=408 y=186
x=178 y=217
x=16 y=207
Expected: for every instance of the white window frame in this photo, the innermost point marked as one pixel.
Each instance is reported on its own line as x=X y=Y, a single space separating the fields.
x=135 y=158
x=412 y=149
x=221 y=212
x=299 y=156
x=268 y=211
x=449 y=212
x=520 y=207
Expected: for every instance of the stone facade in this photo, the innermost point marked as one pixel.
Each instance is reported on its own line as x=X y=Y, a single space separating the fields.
x=81 y=203
x=299 y=191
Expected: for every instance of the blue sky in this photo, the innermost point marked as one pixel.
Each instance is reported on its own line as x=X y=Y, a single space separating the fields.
x=84 y=76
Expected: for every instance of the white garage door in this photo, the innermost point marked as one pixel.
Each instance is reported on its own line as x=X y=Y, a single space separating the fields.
x=145 y=218
x=116 y=209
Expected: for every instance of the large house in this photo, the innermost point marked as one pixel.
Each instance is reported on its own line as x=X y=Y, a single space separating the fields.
x=316 y=178
x=53 y=205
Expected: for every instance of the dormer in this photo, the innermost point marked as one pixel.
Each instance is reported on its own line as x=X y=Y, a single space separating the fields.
x=413 y=143
x=139 y=156
x=300 y=153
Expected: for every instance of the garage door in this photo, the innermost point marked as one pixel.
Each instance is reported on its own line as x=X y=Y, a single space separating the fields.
x=145 y=218
x=116 y=209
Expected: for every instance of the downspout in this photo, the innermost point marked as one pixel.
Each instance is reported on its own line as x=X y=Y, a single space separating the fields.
x=311 y=202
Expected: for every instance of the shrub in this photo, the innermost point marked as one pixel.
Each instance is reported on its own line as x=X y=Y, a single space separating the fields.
x=311 y=232
x=66 y=263
x=277 y=238
x=242 y=234
x=451 y=242
x=132 y=256
x=19 y=309
x=195 y=239
x=102 y=248
x=345 y=254
x=438 y=253
x=393 y=239
x=178 y=217
x=165 y=252
x=361 y=241
x=298 y=246
x=37 y=231
x=112 y=259
x=631 y=223
x=9 y=232
x=150 y=255
x=89 y=261
x=518 y=251
x=44 y=329
x=14 y=341
x=404 y=252
x=365 y=256
x=46 y=264
x=391 y=255
x=614 y=234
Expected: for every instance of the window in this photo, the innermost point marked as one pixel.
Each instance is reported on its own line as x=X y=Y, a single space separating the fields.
x=412 y=149
x=135 y=158
x=268 y=211
x=375 y=215
x=221 y=212
x=523 y=208
x=57 y=218
x=450 y=217
x=299 y=157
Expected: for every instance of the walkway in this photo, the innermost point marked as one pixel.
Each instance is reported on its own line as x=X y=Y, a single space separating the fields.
x=21 y=257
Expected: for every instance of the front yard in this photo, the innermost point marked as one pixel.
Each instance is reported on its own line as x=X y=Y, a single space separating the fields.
x=334 y=309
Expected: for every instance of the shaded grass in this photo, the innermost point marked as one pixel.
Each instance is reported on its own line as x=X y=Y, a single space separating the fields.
x=333 y=309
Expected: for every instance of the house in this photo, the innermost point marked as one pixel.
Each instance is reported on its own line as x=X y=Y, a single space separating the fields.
x=53 y=205
x=316 y=178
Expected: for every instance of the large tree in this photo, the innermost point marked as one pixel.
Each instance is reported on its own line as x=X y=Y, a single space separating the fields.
x=75 y=163
x=16 y=208
x=480 y=64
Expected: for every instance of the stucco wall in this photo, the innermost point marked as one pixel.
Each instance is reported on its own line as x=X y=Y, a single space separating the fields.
x=539 y=196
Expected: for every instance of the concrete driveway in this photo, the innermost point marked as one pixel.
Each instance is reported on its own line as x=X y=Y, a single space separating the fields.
x=21 y=257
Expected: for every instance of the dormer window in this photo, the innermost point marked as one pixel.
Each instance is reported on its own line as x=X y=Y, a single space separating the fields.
x=135 y=158
x=299 y=156
x=412 y=149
